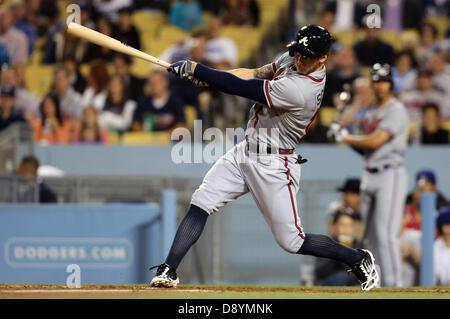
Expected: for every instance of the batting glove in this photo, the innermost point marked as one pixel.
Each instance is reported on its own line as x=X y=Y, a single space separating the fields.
x=185 y=70
x=182 y=69
x=336 y=133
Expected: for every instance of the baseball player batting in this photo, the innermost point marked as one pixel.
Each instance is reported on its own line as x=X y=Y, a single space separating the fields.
x=288 y=93
x=385 y=180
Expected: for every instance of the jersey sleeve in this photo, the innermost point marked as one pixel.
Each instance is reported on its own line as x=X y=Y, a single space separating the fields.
x=283 y=93
x=394 y=121
x=278 y=61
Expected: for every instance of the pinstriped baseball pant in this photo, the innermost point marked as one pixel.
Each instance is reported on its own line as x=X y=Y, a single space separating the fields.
x=273 y=181
x=383 y=197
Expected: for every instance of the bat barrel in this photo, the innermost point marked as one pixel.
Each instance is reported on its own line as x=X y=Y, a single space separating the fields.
x=110 y=43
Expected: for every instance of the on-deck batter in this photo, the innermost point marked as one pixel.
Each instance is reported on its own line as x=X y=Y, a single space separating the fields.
x=385 y=180
x=288 y=94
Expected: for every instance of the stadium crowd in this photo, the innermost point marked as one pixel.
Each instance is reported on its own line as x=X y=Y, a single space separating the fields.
x=109 y=99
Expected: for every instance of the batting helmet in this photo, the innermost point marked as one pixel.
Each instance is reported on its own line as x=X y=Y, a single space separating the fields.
x=311 y=41
x=381 y=73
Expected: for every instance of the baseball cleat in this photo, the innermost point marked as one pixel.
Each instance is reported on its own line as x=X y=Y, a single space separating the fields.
x=165 y=277
x=366 y=271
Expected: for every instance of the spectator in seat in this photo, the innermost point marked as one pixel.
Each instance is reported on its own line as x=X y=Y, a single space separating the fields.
x=8 y=115
x=348 y=14
x=69 y=99
x=50 y=128
x=4 y=58
x=70 y=45
x=97 y=81
x=345 y=71
x=403 y=72
x=354 y=113
x=12 y=38
x=428 y=37
x=186 y=14
x=426 y=181
x=24 y=101
x=330 y=272
x=221 y=52
x=89 y=130
x=351 y=202
x=424 y=93
x=240 y=12
x=94 y=51
x=160 y=110
x=28 y=169
x=441 y=72
x=431 y=131
x=23 y=23
x=185 y=90
x=110 y=8
x=117 y=109
x=372 y=50
x=76 y=79
x=442 y=248
x=402 y=15
x=410 y=234
x=125 y=31
x=122 y=65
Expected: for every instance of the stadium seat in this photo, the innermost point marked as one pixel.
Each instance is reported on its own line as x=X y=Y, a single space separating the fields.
x=39 y=78
x=391 y=37
x=146 y=21
x=140 y=138
x=113 y=138
x=446 y=125
x=413 y=126
x=171 y=33
x=440 y=22
x=141 y=68
x=327 y=115
x=191 y=115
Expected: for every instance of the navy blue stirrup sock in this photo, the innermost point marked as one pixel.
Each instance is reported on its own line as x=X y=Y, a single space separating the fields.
x=324 y=246
x=188 y=232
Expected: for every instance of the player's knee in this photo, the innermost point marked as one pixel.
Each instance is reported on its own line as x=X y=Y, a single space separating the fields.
x=291 y=244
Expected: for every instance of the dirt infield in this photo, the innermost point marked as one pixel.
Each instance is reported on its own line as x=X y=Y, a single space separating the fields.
x=216 y=292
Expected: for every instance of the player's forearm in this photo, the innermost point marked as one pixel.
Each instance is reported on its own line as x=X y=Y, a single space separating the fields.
x=243 y=73
x=231 y=84
x=361 y=141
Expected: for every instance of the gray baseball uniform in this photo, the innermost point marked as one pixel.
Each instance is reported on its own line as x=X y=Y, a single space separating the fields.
x=384 y=188
x=292 y=100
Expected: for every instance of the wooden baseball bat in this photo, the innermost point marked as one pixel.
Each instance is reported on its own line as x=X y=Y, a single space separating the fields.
x=110 y=43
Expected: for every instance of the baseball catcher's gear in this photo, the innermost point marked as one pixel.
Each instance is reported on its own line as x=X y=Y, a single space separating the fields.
x=165 y=277
x=336 y=133
x=366 y=272
x=311 y=41
x=381 y=73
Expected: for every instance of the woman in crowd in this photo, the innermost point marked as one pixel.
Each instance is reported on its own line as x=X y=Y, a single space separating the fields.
x=117 y=110
x=90 y=131
x=50 y=127
x=97 y=79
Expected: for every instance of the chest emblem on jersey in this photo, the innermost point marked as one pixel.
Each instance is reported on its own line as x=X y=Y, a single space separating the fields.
x=304 y=41
x=370 y=126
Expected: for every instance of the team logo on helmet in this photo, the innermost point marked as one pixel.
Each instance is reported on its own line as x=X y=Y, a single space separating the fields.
x=304 y=41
